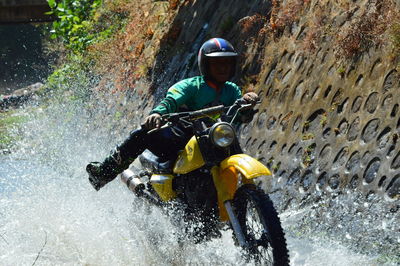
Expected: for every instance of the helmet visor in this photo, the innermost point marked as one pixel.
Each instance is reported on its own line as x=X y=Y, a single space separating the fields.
x=221 y=54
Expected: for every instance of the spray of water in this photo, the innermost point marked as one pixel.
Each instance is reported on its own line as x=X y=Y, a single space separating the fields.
x=50 y=215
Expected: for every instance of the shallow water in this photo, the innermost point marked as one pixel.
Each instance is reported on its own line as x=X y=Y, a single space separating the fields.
x=50 y=215
x=58 y=220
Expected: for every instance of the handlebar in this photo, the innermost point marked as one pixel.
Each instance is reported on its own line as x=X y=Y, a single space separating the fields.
x=195 y=114
x=232 y=110
x=172 y=117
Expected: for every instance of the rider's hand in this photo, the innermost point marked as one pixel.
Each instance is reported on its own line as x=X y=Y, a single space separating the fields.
x=153 y=121
x=251 y=97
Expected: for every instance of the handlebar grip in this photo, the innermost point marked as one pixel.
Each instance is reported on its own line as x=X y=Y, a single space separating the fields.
x=206 y=111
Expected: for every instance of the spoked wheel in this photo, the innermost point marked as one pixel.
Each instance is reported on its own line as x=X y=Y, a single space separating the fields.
x=261 y=227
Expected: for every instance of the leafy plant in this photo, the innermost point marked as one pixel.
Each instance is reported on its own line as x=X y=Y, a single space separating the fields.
x=270 y=162
x=365 y=32
x=73 y=24
x=341 y=70
x=324 y=119
x=308 y=157
x=71 y=81
x=306 y=125
x=308 y=136
x=286 y=15
x=9 y=120
x=276 y=167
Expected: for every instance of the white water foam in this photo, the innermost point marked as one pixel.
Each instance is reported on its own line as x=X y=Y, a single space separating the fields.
x=50 y=215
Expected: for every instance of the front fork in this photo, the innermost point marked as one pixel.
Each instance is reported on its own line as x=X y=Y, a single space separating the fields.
x=237 y=229
x=226 y=182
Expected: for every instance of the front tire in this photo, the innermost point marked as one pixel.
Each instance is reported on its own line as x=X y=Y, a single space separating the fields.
x=261 y=226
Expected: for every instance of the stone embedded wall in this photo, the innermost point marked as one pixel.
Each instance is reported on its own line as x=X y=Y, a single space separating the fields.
x=329 y=121
x=329 y=118
x=326 y=122
x=320 y=128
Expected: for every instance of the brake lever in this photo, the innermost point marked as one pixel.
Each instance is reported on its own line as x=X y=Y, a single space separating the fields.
x=244 y=107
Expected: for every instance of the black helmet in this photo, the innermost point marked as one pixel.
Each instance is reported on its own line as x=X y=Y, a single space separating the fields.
x=215 y=47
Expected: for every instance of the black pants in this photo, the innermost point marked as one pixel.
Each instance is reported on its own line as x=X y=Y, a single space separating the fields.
x=163 y=143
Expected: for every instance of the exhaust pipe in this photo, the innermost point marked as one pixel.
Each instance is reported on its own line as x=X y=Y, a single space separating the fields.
x=132 y=181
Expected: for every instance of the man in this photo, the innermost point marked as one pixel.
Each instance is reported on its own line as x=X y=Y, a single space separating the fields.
x=217 y=63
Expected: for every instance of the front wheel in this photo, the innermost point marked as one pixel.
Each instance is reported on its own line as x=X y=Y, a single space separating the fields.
x=261 y=226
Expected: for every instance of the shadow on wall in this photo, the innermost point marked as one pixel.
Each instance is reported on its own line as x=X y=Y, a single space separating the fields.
x=197 y=22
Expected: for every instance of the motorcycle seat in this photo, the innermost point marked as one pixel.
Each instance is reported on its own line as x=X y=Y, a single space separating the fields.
x=156 y=164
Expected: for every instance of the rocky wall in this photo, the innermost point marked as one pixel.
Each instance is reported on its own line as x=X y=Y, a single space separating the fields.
x=326 y=122
x=329 y=121
x=320 y=128
x=328 y=127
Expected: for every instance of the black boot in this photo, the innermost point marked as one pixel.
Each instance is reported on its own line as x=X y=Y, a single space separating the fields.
x=119 y=160
x=102 y=173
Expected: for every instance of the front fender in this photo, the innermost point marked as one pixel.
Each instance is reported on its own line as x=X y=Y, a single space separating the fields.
x=226 y=177
x=248 y=166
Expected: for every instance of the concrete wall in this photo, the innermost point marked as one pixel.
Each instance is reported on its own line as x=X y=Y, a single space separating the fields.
x=24 y=11
x=11 y=3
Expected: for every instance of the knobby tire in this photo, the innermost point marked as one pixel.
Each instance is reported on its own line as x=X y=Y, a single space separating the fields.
x=272 y=239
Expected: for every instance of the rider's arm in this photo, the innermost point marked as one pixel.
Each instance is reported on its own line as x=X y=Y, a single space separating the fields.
x=177 y=96
x=235 y=92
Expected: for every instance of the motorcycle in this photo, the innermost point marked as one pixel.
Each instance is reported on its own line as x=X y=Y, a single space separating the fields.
x=214 y=182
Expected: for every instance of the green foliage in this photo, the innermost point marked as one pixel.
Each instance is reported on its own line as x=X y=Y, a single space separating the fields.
x=341 y=70
x=75 y=24
x=308 y=136
x=307 y=155
x=324 y=120
x=306 y=124
x=276 y=167
x=8 y=120
x=80 y=25
x=71 y=81
x=270 y=162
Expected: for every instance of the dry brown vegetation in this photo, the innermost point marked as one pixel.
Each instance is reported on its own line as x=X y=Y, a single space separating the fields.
x=124 y=59
x=285 y=15
x=394 y=34
x=366 y=31
x=150 y=26
x=318 y=27
x=377 y=23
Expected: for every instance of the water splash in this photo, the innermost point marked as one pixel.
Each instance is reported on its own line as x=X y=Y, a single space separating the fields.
x=50 y=215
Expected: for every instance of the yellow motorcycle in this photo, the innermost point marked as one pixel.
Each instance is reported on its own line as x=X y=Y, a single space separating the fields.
x=213 y=181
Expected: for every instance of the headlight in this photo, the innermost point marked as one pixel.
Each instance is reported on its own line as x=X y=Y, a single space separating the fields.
x=222 y=134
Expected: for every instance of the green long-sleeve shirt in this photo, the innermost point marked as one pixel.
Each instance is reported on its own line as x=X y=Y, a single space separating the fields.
x=194 y=94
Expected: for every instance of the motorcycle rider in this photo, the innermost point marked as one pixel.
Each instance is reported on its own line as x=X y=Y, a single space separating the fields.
x=217 y=62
